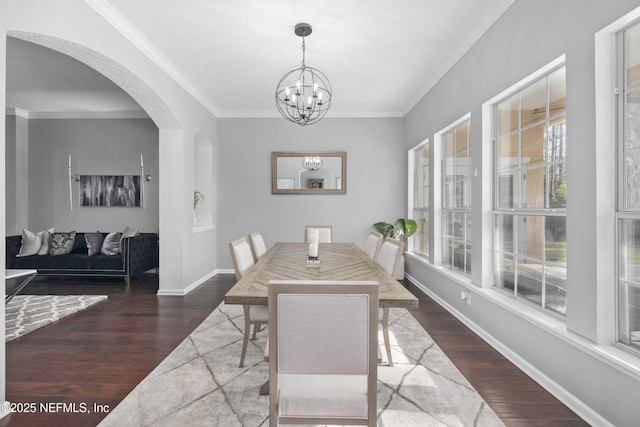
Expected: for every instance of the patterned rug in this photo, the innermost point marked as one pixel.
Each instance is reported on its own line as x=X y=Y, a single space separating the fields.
x=200 y=384
x=26 y=313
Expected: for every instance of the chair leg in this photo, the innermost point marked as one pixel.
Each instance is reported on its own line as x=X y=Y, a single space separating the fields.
x=256 y=327
x=247 y=331
x=385 y=333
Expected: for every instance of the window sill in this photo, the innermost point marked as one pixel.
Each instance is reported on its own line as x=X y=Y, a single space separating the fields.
x=203 y=228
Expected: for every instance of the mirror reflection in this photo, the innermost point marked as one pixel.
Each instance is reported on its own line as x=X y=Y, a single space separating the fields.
x=308 y=173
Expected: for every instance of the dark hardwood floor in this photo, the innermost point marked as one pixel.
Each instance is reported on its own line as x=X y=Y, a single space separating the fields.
x=96 y=357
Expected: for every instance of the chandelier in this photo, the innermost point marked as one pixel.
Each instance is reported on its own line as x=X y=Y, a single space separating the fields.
x=312 y=163
x=303 y=95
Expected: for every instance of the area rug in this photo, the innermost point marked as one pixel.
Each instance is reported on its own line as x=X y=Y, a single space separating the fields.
x=26 y=313
x=200 y=383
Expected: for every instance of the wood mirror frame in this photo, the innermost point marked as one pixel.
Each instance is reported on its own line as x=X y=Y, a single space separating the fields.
x=288 y=182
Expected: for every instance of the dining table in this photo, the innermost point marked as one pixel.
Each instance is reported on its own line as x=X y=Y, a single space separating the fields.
x=337 y=261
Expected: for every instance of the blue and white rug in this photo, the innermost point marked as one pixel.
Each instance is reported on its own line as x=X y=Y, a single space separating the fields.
x=26 y=313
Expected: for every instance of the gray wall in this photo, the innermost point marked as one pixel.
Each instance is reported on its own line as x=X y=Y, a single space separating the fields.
x=10 y=174
x=375 y=179
x=97 y=147
x=528 y=36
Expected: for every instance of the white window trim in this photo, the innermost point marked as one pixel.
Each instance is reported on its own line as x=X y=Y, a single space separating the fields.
x=411 y=161
x=606 y=160
x=438 y=138
x=488 y=123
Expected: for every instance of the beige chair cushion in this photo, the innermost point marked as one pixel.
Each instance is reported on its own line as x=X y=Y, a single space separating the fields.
x=387 y=256
x=258 y=244
x=307 y=395
x=258 y=313
x=323 y=351
x=371 y=246
x=244 y=257
x=324 y=234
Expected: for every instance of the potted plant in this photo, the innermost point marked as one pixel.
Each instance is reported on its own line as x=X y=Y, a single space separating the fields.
x=399 y=230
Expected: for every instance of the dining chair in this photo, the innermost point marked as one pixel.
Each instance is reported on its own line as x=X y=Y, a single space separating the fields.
x=258 y=248
x=323 y=352
x=389 y=258
x=325 y=233
x=256 y=315
x=373 y=244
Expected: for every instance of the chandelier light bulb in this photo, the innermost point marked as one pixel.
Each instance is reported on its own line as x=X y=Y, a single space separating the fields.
x=309 y=100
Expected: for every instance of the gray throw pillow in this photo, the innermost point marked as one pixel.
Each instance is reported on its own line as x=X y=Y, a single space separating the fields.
x=46 y=237
x=127 y=232
x=31 y=243
x=61 y=243
x=94 y=242
x=111 y=244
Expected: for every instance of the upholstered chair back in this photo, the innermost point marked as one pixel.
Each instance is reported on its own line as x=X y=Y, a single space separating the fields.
x=373 y=244
x=323 y=352
x=390 y=256
x=325 y=233
x=258 y=248
x=241 y=256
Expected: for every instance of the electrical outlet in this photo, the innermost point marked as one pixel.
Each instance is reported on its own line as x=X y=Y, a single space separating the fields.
x=466 y=297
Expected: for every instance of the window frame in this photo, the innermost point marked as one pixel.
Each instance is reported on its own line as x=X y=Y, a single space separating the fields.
x=411 y=197
x=444 y=209
x=622 y=211
x=517 y=211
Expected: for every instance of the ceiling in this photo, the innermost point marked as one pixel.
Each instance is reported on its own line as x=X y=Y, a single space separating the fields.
x=381 y=56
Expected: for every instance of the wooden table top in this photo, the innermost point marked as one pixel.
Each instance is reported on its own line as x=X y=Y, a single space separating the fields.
x=338 y=261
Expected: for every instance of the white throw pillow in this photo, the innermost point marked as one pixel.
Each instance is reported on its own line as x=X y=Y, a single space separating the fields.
x=31 y=243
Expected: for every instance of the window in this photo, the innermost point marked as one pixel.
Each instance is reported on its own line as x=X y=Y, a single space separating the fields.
x=419 y=202
x=529 y=216
x=456 y=197
x=628 y=212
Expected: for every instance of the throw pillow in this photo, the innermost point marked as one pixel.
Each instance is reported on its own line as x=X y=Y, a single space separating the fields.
x=31 y=243
x=94 y=242
x=111 y=244
x=61 y=243
x=128 y=232
x=46 y=237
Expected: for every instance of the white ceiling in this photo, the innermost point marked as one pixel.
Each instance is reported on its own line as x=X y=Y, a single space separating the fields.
x=380 y=56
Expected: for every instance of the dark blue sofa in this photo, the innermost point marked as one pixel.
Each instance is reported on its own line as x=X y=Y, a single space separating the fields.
x=139 y=254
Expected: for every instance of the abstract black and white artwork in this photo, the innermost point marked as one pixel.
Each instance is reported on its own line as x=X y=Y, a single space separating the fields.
x=110 y=190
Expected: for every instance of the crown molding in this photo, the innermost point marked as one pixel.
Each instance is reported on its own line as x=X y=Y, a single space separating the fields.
x=76 y=114
x=11 y=111
x=124 y=27
x=270 y=114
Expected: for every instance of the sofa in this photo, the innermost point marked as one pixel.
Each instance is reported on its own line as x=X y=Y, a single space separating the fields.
x=137 y=254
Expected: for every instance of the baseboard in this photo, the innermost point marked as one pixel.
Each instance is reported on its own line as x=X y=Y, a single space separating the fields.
x=567 y=398
x=194 y=285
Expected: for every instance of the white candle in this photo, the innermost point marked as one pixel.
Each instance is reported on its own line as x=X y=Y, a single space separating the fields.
x=314 y=236
x=313 y=250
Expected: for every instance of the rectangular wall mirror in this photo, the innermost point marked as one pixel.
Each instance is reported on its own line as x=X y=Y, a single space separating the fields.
x=309 y=173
